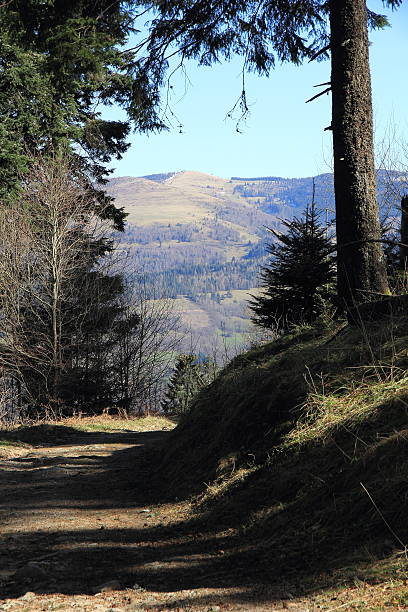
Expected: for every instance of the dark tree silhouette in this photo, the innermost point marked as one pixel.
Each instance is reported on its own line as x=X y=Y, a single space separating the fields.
x=59 y=61
x=298 y=282
x=189 y=376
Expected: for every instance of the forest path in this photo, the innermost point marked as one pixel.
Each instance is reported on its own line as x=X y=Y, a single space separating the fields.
x=79 y=530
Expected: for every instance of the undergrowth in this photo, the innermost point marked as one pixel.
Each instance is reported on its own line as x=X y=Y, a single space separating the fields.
x=302 y=446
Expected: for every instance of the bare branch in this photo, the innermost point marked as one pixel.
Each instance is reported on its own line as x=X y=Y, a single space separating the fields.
x=319 y=94
x=320 y=52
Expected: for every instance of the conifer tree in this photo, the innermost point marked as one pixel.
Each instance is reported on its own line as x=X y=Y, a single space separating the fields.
x=298 y=282
x=264 y=32
x=189 y=376
x=59 y=62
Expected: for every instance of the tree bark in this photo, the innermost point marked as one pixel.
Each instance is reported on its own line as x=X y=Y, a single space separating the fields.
x=361 y=265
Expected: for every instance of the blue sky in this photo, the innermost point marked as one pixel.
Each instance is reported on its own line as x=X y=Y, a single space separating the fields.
x=283 y=136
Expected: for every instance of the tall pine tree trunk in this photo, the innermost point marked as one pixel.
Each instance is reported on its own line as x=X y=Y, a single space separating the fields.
x=361 y=265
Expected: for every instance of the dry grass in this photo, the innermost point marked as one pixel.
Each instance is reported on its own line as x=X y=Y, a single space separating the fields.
x=325 y=413
x=15 y=438
x=187 y=197
x=112 y=423
x=12 y=448
x=302 y=445
x=299 y=451
x=192 y=314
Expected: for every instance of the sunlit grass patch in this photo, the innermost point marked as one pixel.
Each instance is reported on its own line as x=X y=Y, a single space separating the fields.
x=61 y=431
x=7 y=443
x=322 y=414
x=10 y=448
x=111 y=423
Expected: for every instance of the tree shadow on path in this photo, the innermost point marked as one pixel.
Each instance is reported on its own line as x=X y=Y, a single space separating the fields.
x=82 y=514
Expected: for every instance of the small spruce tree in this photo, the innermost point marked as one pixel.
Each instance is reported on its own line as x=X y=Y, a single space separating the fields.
x=190 y=374
x=298 y=282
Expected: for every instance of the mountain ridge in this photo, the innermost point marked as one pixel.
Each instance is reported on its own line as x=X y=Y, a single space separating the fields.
x=201 y=239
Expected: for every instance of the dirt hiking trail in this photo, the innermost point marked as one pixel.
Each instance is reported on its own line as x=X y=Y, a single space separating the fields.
x=79 y=531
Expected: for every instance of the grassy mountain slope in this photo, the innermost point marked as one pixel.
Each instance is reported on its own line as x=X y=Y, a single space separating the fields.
x=181 y=198
x=203 y=237
x=301 y=446
x=194 y=238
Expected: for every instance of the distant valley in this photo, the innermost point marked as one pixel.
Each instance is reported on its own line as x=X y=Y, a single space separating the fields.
x=200 y=239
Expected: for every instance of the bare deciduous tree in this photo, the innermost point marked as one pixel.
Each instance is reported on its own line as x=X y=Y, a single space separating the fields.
x=50 y=243
x=76 y=335
x=146 y=354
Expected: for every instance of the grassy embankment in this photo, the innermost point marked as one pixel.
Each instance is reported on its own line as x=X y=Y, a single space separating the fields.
x=298 y=456
x=301 y=447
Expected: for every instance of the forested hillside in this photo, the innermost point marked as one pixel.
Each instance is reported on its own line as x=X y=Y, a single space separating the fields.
x=200 y=239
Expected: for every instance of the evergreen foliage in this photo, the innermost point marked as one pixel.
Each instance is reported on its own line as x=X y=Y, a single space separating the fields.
x=59 y=61
x=288 y=30
x=298 y=282
x=64 y=322
x=189 y=376
x=61 y=310
x=263 y=32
